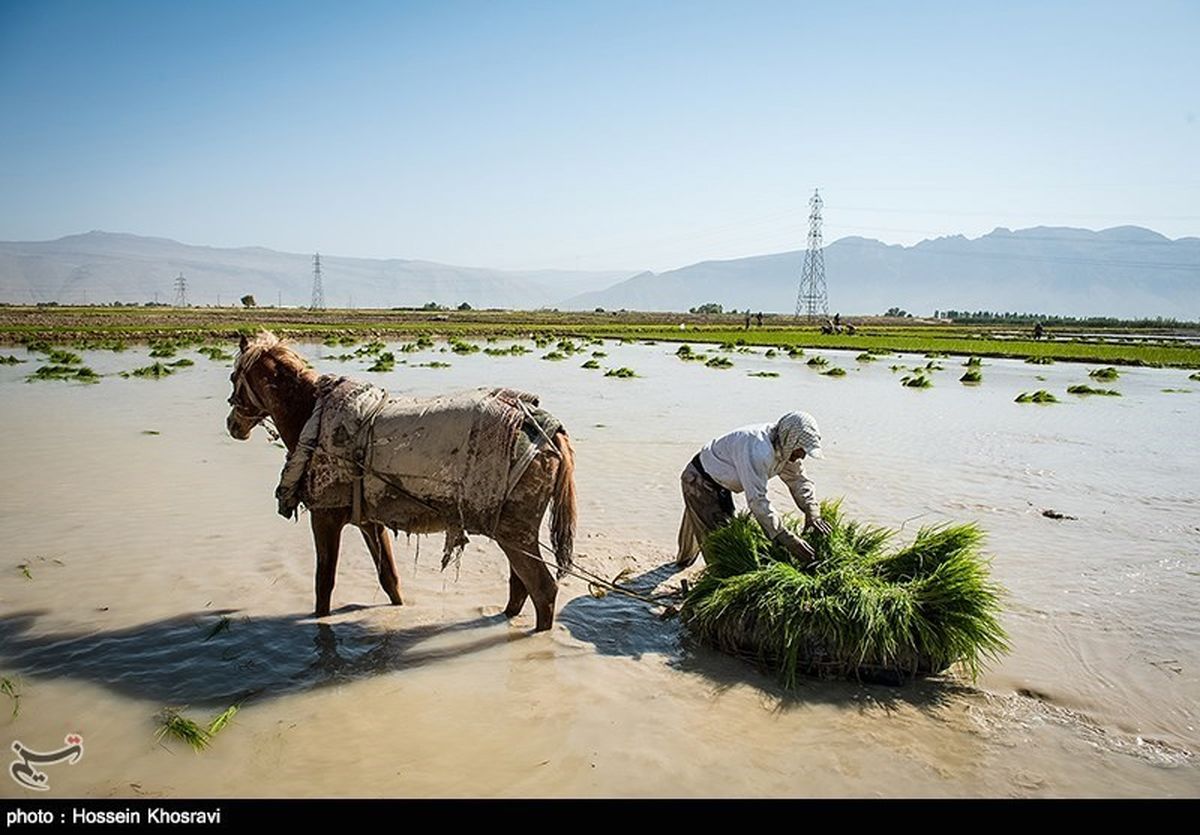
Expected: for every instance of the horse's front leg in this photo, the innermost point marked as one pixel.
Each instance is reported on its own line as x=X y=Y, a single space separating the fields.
x=380 y=546
x=327 y=527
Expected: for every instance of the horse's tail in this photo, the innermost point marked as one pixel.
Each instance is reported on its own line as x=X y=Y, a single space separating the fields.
x=562 y=510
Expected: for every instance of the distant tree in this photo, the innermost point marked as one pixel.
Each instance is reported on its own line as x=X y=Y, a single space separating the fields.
x=464 y=306
x=432 y=306
x=710 y=307
x=248 y=301
x=896 y=312
x=599 y=310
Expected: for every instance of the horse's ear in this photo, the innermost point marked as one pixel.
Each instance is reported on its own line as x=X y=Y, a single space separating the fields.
x=243 y=343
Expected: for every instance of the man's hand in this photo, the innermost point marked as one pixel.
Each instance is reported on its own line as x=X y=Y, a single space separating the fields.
x=797 y=547
x=820 y=526
x=287 y=504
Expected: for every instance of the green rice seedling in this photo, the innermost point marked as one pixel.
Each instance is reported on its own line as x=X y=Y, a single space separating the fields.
x=599 y=354
x=591 y=364
x=215 y=353
x=763 y=374
x=1039 y=360
x=330 y=342
x=795 y=353
x=371 y=348
x=817 y=362
x=181 y=363
x=1039 y=396
x=895 y=368
x=70 y=373
x=1195 y=376
x=1176 y=391
x=424 y=342
x=151 y=432
x=771 y=353
x=173 y=724
x=24 y=569
x=408 y=348
x=880 y=352
x=973 y=362
x=163 y=350
x=622 y=372
x=719 y=362
x=932 y=366
x=936 y=355
x=727 y=346
x=434 y=364
x=649 y=342
x=971 y=376
x=10 y=360
x=156 y=371
x=567 y=346
x=863 y=610
x=916 y=381
x=1106 y=375
x=865 y=356
x=834 y=372
x=554 y=356
x=385 y=361
x=686 y=354
x=12 y=689
x=60 y=357
x=1090 y=390
x=460 y=347
x=222 y=719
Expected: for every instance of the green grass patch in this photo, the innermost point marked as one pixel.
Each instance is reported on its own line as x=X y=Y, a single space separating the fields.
x=864 y=610
x=1039 y=396
x=1090 y=390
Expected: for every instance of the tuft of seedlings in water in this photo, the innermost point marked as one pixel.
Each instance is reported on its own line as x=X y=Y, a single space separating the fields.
x=37 y=346
x=150 y=372
x=151 y=432
x=181 y=363
x=763 y=374
x=971 y=376
x=794 y=353
x=1104 y=374
x=460 y=347
x=834 y=372
x=61 y=357
x=1039 y=396
x=1040 y=360
x=12 y=689
x=384 y=362
x=881 y=352
x=554 y=356
x=163 y=350
x=865 y=356
x=24 y=569
x=916 y=381
x=591 y=364
x=1176 y=391
x=817 y=362
x=1195 y=376
x=511 y=350
x=599 y=354
x=70 y=373
x=371 y=348
x=932 y=366
x=933 y=355
x=215 y=353
x=727 y=346
x=719 y=362
x=10 y=360
x=895 y=368
x=771 y=353
x=173 y=724
x=424 y=342
x=973 y=362
x=1090 y=390
x=621 y=372
x=434 y=364
x=686 y=354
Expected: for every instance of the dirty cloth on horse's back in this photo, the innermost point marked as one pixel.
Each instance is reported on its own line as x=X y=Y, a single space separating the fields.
x=464 y=451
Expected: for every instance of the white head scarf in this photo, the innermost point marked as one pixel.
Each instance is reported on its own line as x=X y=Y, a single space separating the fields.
x=797 y=430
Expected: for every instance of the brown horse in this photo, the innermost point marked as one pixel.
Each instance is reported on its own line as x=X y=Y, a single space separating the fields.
x=271 y=380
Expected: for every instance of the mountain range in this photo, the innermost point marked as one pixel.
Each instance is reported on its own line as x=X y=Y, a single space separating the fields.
x=1126 y=271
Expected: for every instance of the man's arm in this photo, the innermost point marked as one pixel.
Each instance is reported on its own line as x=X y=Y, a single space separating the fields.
x=804 y=493
x=753 y=475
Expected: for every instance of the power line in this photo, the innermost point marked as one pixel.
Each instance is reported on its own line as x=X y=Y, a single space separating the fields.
x=812 y=297
x=318 y=292
x=181 y=291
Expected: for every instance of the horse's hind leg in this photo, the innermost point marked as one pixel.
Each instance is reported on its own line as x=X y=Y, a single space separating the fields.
x=524 y=559
x=327 y=537
x=380 y=546
x=517 y=594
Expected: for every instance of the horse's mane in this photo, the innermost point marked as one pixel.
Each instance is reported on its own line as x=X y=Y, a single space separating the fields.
x=265 y=342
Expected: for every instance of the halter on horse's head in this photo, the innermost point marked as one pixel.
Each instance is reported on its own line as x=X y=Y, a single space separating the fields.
x=248 y=409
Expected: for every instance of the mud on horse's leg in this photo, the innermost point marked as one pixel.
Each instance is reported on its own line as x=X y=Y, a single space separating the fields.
x=524 y=559
x=517 y=594
x=380 y=546
x=327 y=538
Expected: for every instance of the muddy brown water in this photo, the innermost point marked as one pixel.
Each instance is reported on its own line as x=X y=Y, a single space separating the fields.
x=137 y=544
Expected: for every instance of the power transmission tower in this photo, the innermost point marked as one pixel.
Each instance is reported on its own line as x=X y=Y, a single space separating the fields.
x=318 y=296
x=813 y=299
x=181 y=291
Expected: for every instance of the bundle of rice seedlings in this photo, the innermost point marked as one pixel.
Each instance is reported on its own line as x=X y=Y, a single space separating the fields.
x=384 y=362
x=973 y=362
x=620 y=372
x=599 y=354
x=727 y=346
x=916 y=381
x=60 y=357
x=817 y=362
x=1195 y=376
x=460 y=347
x=182 y=363
x=372 y=347
x=1039 y=396
x=172 y=723
x=771 y=353
x=685 y=353
x=971 y=376
x=163 y=350
x=37 y=346
x=719 y=362
x=554 y=356
x=932 y=355
x=1039 y=360
x=10 y=360
x=222 y=719
x=762 y=374
x=1106 y=374
x=931 y=366
x=865 y=356
x=215 y=353
x=834 y=372
x=83 y=374
x=793 y=353
x=591 y=364
x=433 y=364
x=864 y=610
x=1090 y=390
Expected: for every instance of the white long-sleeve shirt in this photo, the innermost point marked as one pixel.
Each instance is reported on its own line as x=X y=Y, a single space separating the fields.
x=745 y=460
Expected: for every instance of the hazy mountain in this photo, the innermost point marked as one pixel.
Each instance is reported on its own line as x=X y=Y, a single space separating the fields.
x=105 y=267
x=1126 y=271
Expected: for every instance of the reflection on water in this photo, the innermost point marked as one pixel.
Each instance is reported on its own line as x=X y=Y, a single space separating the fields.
x=137 y=545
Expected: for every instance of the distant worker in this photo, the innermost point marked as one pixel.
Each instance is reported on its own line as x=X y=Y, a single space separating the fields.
x=747 y=319
x=744 y=461
x=760 y=318
x=837 y=322
x=1038 y=330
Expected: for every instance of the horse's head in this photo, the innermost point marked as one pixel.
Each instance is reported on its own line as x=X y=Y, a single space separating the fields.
x=250 y=373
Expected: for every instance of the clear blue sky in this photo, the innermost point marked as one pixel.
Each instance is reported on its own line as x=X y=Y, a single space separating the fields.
x=599 y=135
